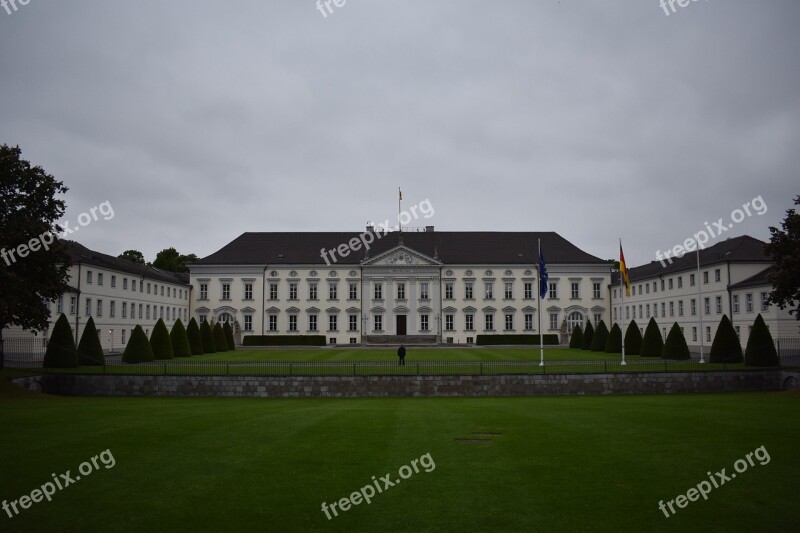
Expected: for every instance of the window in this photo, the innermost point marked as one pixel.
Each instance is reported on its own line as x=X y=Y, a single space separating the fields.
x=680 y=282
x=89 y=277
x=72 y=302
x=203 y=290
x=273 y=291
x=293 y=291
x=708 y=334
x=312 y=322
x=88 y=307
x=147 y=312
x=469 y=322
x=423 y=322
x=596 y=290
x=401 y=291
x=655 y=289
x=378 y=322
x=489 y=289
x=489 y=322
x=735 y=301
x=248 y=291
x=633 y=290
x=124 y=286
x=509 y=322
x=719 y=304
x=640 y=312
x=100 y=278
x=378 y=291
x=226 y=291
x=528 y=321
x=663 y=309
x=705 y=276
x=123 y=336
x=575 y=290
x=553 y=292
x=448 y=322
x=693 y=306
x=528 y=290
x=112 y=308
x=248 y=322
x=124 y=309
x=99 y=307
x=553 y=320
x=312 y=290
x=160 y=312
x=148 y=288
x=353 y=290
x=707 y=306
x=332 y=292
x=738 y=332
x=114 y=281
x=423 y=290
x=647 y=310
x=292 y=322
x=717 y=275
x=627 y=312
x=448 y=290
x=662 y=285
x=353 y=322
x=764 y=304
x=694 y=334
x=680 y=307
x=332 y=322
x=509 y=291
x=133 y=285
x=162 y=290
x=597 y=318
x=672 y=309
x=670 y=283
x=748 y=302
x=273 y=322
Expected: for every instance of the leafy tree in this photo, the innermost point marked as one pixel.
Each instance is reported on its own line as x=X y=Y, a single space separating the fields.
x=652 y=342
x=588 y=336
x=169 y=259
x=220 y=344
x=228 y=330
x=134 y=256
x=760 y=349
x=614 y=265
x=34 y=263
x=195 y=338
x=207 y=336
x=784 y=248
x=576 y=341
x=633 y=339
x=180 y=340
x=138 y=349
x=600 y=337
x=614 y=342
x=675 y=347
x=90 y=351
x=160 y=341
x=726 y=347
x=61 y=352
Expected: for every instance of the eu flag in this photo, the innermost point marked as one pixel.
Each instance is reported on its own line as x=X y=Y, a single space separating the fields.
x=542 y=276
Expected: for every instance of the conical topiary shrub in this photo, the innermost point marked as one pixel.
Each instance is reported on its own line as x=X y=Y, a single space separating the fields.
x=90 y=351
x=195 y=340
x=600 y=337
x=138 y=349
x=61 y=352
x=207 y=337
x=726 y=347
x=653 y=342
x=228 y=330
x=675 y=347
x=577 y=337
x=760 y=349
x=180 y=340
x=633 y=339
x=588 y=336
x=161 y=342
x=220 y=344
x=614 y=342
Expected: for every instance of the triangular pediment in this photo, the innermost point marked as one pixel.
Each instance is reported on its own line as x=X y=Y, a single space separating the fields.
x=402 y=256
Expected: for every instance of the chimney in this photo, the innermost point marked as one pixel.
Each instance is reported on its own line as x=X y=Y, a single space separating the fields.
x=428 y=229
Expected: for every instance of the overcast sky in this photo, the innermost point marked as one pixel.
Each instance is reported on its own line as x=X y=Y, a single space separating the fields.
x=200 y=120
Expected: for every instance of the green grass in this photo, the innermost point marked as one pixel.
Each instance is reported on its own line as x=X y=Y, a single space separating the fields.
x=557 y=464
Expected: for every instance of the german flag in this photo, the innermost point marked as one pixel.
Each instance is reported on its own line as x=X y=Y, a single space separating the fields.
x=623 y=271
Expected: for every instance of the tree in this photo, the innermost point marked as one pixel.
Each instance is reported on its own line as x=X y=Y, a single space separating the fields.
x=726 y=347
x=228 y=330
x=784 y=248
x=675 y=347
x=35 y=264
x=134 y=256
x=220 y=344
x=760 y=349
x=180 y=340
x=588 y=335
x=614 y=342
x=138 y=349
x=614 y=265
x=633 y=339
x=577 y=337
x=169 y=259
x=652 y=342
x=61 y=352
x=207 y=336
x=195 y=339
x=600 y=337
x=90 y=351
x=160 y=341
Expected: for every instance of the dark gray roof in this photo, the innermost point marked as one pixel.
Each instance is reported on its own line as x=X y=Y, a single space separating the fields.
x=449 y=247
x=81 y=254
x=755 y=280
x=744 y=249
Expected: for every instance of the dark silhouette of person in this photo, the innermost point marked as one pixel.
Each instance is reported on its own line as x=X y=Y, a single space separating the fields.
x=401 y=353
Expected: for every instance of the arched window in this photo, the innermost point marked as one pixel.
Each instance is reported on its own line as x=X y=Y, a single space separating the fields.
x=575 y=319
x=225 y=317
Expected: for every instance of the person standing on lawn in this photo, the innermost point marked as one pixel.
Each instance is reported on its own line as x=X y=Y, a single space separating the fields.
x=401 y=354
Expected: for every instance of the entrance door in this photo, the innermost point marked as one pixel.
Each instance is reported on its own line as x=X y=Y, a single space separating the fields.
x=401 y=324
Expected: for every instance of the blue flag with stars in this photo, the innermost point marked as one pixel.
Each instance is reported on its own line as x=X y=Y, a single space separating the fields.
x=542 y=276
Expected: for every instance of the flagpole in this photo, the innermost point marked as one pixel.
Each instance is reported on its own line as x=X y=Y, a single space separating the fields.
x=539 y=305
x=399 y=200
x=622 y=317
x=700 y=306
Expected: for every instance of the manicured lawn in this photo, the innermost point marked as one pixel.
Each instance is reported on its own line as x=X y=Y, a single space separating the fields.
x=541 y=464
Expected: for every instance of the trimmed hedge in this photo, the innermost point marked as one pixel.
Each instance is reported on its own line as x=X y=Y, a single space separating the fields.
x=652 y=343
x=577 y=337
x=614 y=342
x=61 y=352
x=600 y=337
x=90 y=351
x=195 y=340
x=180 y=340
x=138 y=349
x=207 y=337
x=220 y=344
x=633 y=339
x=588 y=336
x=675 y=347
x=726 y=347
x=550 y=339
x=228 y=330
x=161 y=342
x=284 y=340
x=760 y=349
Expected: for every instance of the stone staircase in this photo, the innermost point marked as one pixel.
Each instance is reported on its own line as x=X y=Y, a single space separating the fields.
x=408 y=340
